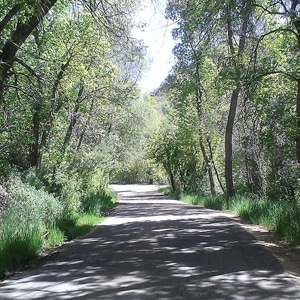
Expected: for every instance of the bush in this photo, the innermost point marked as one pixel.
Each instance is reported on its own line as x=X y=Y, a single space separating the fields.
x=69 y=195
x=33 y=179
x=251 y=209
x=24 y=222
x=99 y=202
x=82 y=225
x=217 y=203
x=54 y=237
x=97 y=197
x=29 y=204
x=171 y=193
x=34 y=220
x=284 y=219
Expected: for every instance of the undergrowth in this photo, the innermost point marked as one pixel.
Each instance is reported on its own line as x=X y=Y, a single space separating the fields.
x=83 y=223
x=35 y=221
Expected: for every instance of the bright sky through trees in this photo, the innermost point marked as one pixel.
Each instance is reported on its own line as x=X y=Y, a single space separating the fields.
x=156 y=35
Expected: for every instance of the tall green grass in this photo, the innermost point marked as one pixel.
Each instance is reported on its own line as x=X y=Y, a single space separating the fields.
x=99 y=202
x=280 y=217
x=83 y=224
x=24 y=224
x=35 y=221
x=19 y=248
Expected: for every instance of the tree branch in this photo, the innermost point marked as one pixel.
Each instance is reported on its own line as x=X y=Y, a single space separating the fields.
x=9 y=16
x=269 y=33
x=18 y=37
x=270 y=11
x=268 y=73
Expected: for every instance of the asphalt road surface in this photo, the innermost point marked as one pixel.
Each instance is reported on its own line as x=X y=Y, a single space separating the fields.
x=152 y=247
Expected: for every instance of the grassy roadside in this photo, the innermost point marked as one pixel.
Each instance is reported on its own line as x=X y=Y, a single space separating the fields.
x=280 y=217
x=22 y=241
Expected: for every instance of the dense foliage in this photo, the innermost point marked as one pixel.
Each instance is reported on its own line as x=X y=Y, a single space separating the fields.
x=71 y=118
x=226 y=121
x=232 y=99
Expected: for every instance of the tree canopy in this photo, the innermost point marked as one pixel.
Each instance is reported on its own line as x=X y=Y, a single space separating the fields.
x=235 y=85
x=226 y=119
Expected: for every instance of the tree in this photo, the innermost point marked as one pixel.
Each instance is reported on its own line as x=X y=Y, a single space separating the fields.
x=236 y=52
x=68 y=82
x=20 y=20
x=289 y=11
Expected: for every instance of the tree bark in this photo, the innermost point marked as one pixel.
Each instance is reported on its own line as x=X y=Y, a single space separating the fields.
x=208 y=167
x=73 y=121
x=13 y=11
x=168 y=168
x=298 y=122
x=19 y=36
x=85 y=126
x=235 y=93
x=202 y=147
x=296 y=23
x=54 y=106
x=228 y=143
x=35 y=152
x=214 y=165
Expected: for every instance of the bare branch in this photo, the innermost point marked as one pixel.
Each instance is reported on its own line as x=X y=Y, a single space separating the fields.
x=269 y=33
x=268 y=73
x=284 y=6
x=270 y=11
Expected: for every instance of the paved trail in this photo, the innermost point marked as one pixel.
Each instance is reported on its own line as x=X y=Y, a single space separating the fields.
x=155 y=248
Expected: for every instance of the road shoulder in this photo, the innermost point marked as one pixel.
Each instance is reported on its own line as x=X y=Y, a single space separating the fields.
x=287 y=254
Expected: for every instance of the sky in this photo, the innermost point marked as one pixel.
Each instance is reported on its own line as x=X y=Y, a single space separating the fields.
x=158 y=39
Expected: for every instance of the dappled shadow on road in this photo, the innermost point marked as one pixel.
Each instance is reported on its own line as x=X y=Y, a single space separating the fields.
x=159 y=250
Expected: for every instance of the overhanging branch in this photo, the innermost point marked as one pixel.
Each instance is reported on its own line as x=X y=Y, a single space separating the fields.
x=268 y=73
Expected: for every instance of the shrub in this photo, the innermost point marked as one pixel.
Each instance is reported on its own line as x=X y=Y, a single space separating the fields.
x=98 y=202
x=171 y=193
x=218 y=202
x=284 y=219
x=33 y=179
x=26 y=218
x=251 y=209
x=33 y=205
x=54 y=237
x=69 y=196
x=83 y=224
x=97 y=197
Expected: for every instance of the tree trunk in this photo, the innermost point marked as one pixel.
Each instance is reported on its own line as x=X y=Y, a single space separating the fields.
x=228 y=143
x=298 y=122
x=19 y=36
x=55 y=108
x=209 y=169
x=168 y=168
x=13 y=11
x=213 y=163
x=35 y=152
x=73 y=121
x=85 y=127
x=296 y=23
x=199 y=114
x=235 y=92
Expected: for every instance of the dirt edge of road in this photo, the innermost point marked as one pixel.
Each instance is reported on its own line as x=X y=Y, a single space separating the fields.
x=288 y=255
